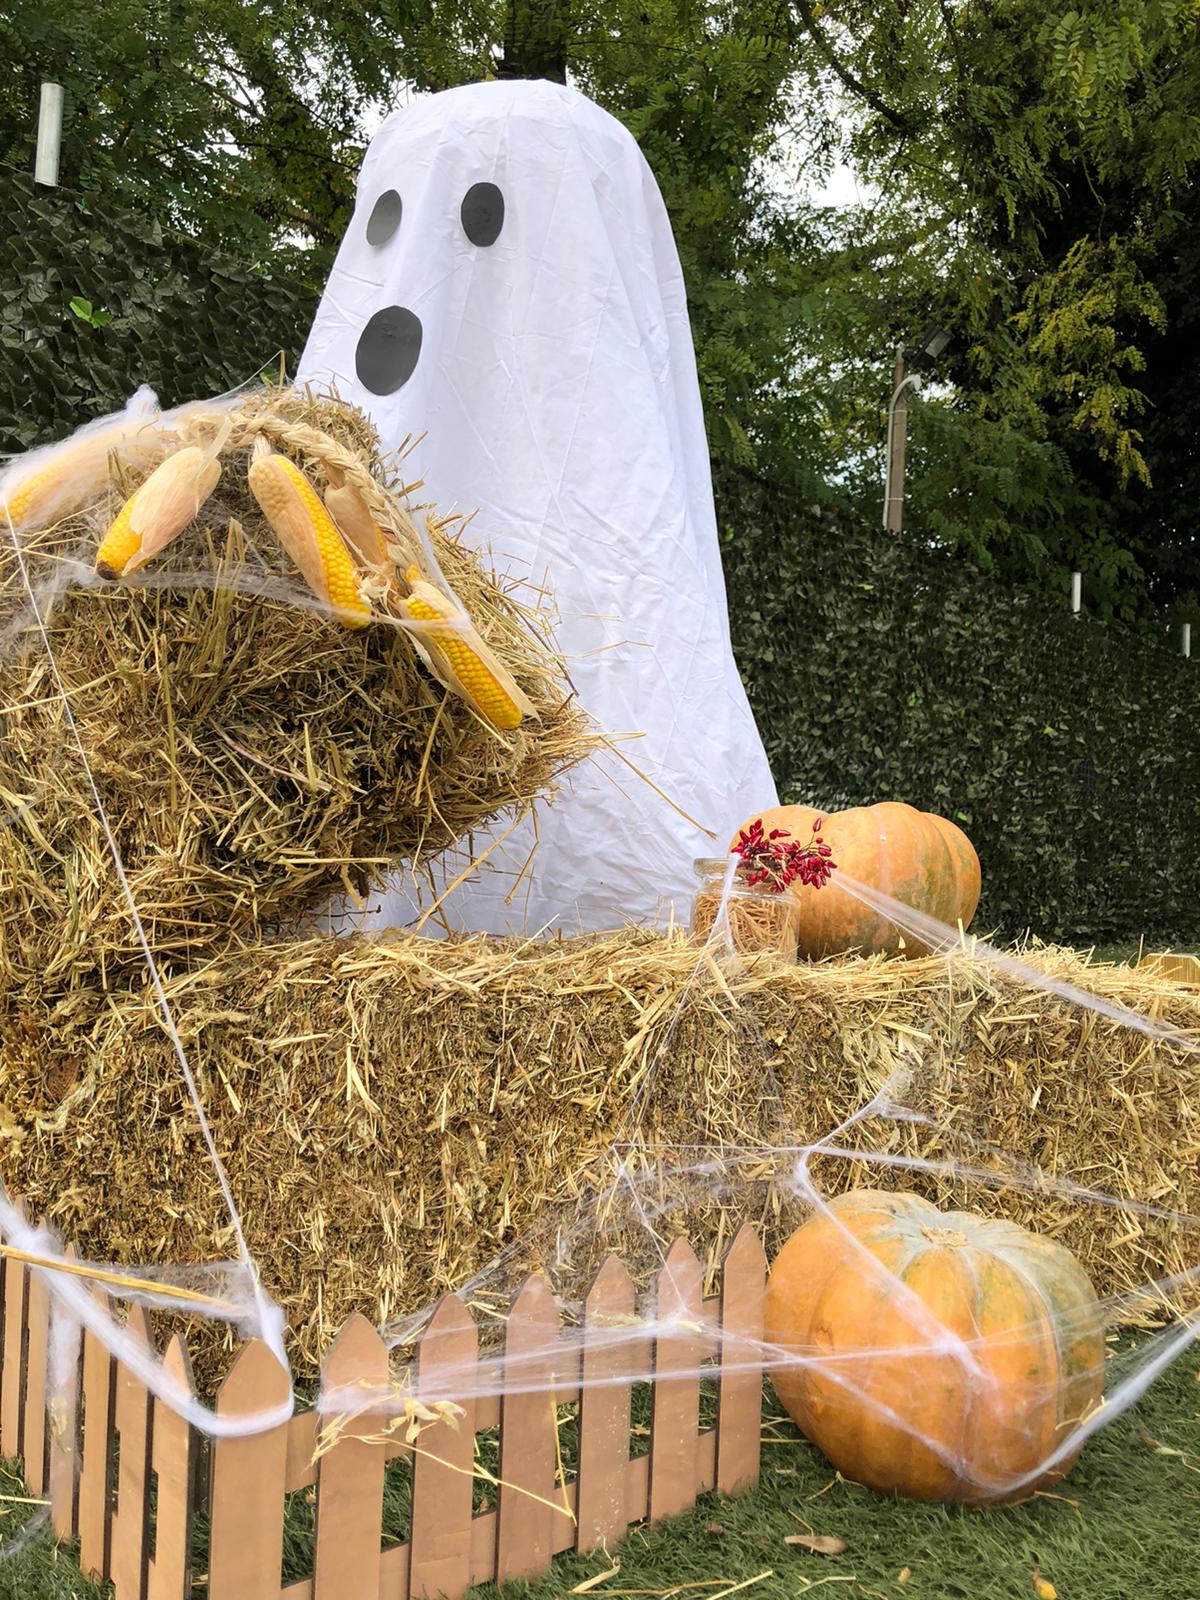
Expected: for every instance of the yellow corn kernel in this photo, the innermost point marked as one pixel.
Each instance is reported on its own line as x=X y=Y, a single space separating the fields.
x=478 y=681
x=120 y=544
x=59 y=480
x=158 y=511
x=351 y=513
x=23 y=504
x=305 y=529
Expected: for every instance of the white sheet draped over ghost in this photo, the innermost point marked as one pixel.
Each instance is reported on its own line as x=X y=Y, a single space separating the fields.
x=509 y=287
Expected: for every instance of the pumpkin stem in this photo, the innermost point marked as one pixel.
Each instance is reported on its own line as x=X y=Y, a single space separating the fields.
x=946 y=1236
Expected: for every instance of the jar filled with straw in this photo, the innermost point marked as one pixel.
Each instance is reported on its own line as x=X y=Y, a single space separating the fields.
x=751 y=887
x=759 y=917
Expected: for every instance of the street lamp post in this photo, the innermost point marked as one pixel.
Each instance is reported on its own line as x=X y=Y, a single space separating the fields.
x=897 y=435
x=923 y=354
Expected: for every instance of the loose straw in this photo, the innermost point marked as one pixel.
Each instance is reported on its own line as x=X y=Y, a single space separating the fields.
x=81 y=1269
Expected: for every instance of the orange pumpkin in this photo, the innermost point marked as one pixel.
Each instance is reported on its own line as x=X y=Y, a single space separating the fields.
x=914 y=856
x=937 y=1355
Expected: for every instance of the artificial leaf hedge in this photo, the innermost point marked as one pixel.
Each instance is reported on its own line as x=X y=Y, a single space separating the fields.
x=1068 y=750
x=184 y=320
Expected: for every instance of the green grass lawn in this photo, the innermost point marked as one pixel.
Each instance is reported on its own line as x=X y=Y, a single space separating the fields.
x=1126 y=1526
x=1130 y=951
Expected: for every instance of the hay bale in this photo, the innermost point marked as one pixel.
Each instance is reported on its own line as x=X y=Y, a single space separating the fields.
x=254 y=756
x=393 y=1115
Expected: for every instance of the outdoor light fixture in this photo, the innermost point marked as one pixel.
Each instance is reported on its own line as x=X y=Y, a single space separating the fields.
x=928 y=347
x=923 y=354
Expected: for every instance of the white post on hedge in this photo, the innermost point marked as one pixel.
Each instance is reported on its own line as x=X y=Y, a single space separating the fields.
x=1077 y=592
x=49 y=136
x=1187 y=638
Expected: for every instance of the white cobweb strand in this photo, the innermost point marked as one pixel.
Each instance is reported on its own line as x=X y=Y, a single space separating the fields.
x=952 y=943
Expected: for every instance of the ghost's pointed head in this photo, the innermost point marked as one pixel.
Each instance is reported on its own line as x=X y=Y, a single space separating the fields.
x=492 y=222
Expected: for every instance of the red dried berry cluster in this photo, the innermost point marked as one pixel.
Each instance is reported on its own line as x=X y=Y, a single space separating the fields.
x=776 y=859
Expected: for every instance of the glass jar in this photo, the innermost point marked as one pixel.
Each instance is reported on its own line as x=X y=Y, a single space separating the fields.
x=760 y=918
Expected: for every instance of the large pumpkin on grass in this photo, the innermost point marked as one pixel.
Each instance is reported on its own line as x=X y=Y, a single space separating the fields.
x=916 y=857
x=937 y=1355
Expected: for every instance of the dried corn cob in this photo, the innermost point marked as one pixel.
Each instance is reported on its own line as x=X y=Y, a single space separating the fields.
x=159 y=510
x=460 y=659
x=306 y=531
x=39 y=489
x=358 y=527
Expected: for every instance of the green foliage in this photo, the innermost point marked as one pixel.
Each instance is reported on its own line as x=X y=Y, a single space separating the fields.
x=1065 y=748
x=238 y=124
x=1075 y=324
x=1011 y=503
x=88 y=313
x=704 y=88
x=187 y=321
x=1052 y=152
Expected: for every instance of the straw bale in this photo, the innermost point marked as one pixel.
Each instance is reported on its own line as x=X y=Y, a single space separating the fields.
x=254 y=756
x=394 y=1114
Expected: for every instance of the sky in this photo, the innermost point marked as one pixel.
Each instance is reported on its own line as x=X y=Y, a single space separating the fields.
x=841 y=188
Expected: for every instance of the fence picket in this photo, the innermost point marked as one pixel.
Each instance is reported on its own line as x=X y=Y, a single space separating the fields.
x=350 y=1471
x=301 y=1451
x=3 y=1344
x=1179 y=968
x=528 y=1429
x=131 y=1517
x=95 y=1482
x=440 y=1542
x=675 y=1426
x=173 y=1459
x=16 y=1277
x=246 y=1541
x=739 y=1395
x=67 y=1344
x=37 y=1350
x=611 y=1354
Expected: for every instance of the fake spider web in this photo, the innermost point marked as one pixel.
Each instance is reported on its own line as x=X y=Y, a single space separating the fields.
x=895 y=1140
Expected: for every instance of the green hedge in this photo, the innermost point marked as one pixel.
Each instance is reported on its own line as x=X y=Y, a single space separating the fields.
x=1067 y=750
x=185 y=321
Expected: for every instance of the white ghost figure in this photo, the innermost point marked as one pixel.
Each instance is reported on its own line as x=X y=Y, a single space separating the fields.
x=509 y=287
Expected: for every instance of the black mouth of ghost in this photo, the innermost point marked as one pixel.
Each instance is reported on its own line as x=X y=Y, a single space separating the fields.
x=388 y=350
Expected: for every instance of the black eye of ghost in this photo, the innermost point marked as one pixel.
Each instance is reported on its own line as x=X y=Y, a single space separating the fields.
x=483 y=213
x=384 y=218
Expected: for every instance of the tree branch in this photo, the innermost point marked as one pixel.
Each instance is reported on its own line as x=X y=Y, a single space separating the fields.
x=848 y=79
x=955 y=45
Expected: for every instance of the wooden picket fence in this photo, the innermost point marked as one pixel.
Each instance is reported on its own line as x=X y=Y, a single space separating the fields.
x=130 y=1479
x=1179 y=968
